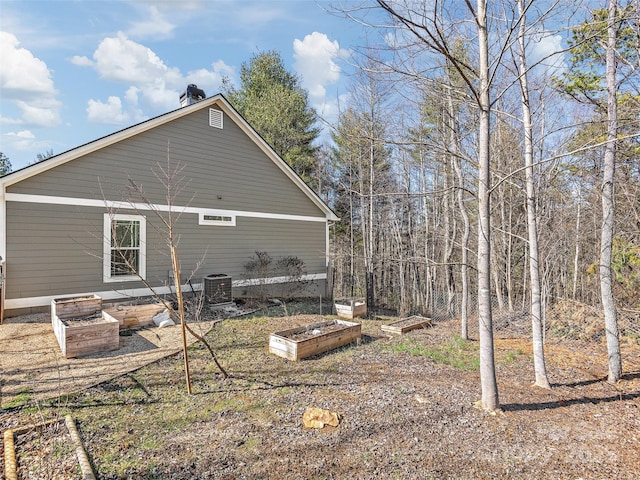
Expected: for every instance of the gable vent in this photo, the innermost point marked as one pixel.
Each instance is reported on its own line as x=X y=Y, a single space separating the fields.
x=215 y=118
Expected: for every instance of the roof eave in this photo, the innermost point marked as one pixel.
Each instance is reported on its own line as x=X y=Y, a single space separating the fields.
x=128 y=132
x=102 y=142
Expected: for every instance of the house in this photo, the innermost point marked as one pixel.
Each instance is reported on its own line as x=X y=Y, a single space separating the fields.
x=59 y=218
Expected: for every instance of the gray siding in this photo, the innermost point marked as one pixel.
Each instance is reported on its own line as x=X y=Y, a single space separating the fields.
x=223 y=169
x=228 y=249
x=57 y=249
x=50 y=248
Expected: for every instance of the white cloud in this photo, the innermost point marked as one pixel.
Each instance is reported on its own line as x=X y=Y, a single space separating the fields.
x=81 y=61
x=315 y=61
x=10 y=121
x=23 y=146
x=22 y=140
x=223 y=69
x=160 y=92
x=25 y=134
x=110 y=112
x=21 y=72
x=156 y=26
x=544 y=49
x=26 y=81
x=211 y=78
x=131 y=95
x=40 y=113
x=152 y=85
x=122 y=60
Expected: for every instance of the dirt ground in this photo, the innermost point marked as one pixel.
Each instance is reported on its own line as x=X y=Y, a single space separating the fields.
x=33 y=366
x=406 y=412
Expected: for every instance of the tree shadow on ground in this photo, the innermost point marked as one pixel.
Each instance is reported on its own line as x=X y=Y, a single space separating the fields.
x=581 y=383
x=566 y=402
x=254 y=382
x=584 y=383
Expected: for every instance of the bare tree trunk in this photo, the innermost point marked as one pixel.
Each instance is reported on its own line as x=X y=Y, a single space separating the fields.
x=540 y=369
x=427 y=268
x=449 y=242
x=479 y=84
x=490 y=400
x=497 y=283
x=396 y=224
x=576 y=256
x=369 y=261
x=364 y=218
x=497 y=274
x=464 y=311
x=464 y=273
x=169 y=178
x=509 y=256
x=352 y=277
x=176 y=275
x=608 y=205
x=525 y=286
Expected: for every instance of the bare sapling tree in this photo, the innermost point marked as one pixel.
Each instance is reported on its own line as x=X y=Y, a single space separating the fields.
x=453 y=128
x=166 y=218
x=489 y=400
x=430 y=28
x=540 y=370
x=608 y=205
x=603 y=74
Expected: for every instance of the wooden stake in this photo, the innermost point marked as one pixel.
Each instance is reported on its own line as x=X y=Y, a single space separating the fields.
x=176 y=277
x=81 y=453
x=10 y=464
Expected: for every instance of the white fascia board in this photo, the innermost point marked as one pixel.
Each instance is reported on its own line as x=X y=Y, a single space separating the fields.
x=141 y=207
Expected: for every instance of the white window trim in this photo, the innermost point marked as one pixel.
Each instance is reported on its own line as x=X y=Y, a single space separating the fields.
x=106 y=255
x=221 y=223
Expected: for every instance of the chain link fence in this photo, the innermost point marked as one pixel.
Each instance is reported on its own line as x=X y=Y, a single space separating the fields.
x=561 y=318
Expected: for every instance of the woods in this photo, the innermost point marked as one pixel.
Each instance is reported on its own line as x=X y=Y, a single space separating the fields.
x=474 y=166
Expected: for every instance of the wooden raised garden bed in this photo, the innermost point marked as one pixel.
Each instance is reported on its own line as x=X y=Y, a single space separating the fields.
x=132 y=316
x=407 y=324
x=351 y=308
x=80 y=328
x=297 y=343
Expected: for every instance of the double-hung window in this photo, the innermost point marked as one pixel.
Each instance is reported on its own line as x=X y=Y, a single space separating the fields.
x=124 y=247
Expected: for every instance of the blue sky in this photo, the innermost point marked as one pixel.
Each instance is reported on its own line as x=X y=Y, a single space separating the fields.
x=72 y=71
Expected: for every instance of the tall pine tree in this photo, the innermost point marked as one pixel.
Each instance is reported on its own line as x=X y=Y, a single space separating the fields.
x=272 y=100
x=5 y=164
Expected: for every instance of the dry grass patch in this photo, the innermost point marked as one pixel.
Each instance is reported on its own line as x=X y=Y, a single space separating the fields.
x=405 y=412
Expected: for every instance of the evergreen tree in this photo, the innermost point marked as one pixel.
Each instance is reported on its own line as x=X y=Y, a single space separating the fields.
x=272 y=100
x=5 y=164
x=43 y=156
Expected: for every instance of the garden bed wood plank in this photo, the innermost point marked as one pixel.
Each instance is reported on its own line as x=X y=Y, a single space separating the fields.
x=351 y=308
x=73 y=307
x=407 y=324
x=76 y=340
x=340 y=333
x=133 y=316
x=80 y=327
